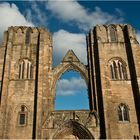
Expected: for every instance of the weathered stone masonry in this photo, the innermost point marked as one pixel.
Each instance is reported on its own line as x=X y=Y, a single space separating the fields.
x=28 y=85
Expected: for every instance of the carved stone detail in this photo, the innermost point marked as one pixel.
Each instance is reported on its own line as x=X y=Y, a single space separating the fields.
x=57 y=118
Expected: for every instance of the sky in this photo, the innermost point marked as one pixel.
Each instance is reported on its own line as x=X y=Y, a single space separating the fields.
x=69 y=21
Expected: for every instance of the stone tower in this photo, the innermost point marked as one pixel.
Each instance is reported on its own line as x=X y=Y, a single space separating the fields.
x=114 y=79
x=28 y=85
x=25 y=67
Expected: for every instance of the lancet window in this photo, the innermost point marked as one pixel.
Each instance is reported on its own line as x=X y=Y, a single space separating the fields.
x=118 y=70
x=25 y=69
x=123 y=112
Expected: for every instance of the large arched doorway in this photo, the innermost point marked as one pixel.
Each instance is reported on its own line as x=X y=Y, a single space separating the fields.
x=72 y=130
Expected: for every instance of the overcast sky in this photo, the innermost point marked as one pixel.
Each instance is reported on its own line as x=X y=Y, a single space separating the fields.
x=69 y=21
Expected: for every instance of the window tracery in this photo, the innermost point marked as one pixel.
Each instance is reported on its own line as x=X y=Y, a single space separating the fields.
x=25 y=69
x=118 y=70
x=123 y=112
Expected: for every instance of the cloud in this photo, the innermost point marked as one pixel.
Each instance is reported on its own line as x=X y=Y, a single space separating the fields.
x=64 y=40
x=72 y=11
x=71 y=86
x=11 y=16
x=35 y=14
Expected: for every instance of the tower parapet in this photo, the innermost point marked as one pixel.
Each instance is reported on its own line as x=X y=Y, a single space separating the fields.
x=27 y=35
x=113 y=33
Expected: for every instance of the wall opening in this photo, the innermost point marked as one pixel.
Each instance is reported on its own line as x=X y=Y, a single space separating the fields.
x=71 y=92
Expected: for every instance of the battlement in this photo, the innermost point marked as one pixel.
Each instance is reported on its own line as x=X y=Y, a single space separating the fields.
x=24 y=28
x=26 y=35
x=112 y=33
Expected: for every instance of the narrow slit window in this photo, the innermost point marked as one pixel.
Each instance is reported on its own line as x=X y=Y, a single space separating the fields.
x=28 y=36
x=19 y=71
x=115 y=70
x=22 y=116
x=23 y=70
x=124 y=72
x=27 y=70
x=30 y=71
x=22 y=119
x=112 y=72
x=120 y=71
x=22 y=108
x=113 y=37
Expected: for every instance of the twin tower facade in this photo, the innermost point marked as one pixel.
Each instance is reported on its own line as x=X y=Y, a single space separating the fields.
x=28 y=86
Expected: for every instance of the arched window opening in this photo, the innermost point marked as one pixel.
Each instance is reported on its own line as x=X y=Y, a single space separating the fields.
x=29 y=70
x=118 y=70
x=28 y=36
x=123 y=112
x=23 y=66
x=112 y=72
x=71 y=92
x=25 y=69
x=124 y=72
x=21 y=70
x=22 y=116
x=113 y=35
x=115 y=70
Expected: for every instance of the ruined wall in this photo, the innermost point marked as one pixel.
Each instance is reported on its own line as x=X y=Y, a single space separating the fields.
x=20 y=76
x=110 y=93
x=29 y=81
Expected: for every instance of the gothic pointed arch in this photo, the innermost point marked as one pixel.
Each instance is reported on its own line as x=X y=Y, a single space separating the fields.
x=118 y=68
x=123 y=112
x=72 y=128
x=70 y=62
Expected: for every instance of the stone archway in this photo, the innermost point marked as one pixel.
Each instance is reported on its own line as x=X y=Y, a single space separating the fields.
x=72 y=130
x=69 y=62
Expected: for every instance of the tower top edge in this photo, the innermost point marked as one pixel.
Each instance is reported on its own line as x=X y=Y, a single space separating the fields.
x=24 y=28
x=122 y=25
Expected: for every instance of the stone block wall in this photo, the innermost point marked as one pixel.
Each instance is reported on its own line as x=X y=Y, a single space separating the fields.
x=110 y=93
x=18 y=90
